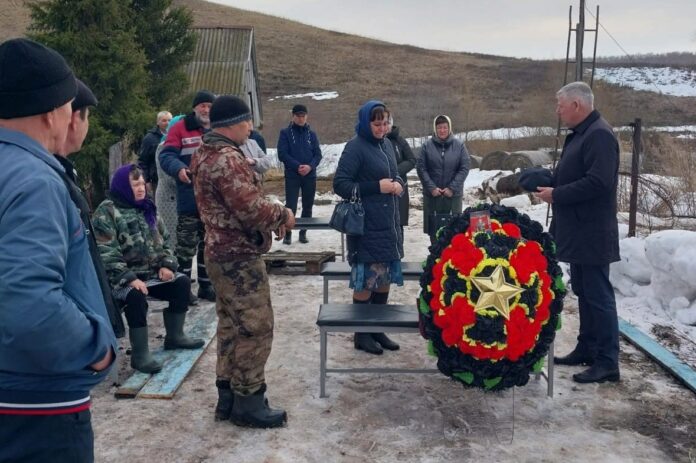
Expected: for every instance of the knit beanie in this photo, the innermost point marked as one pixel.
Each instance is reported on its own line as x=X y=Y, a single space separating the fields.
x=84 y=97
x=228 y=110
x=34 y=79
x=203 y=96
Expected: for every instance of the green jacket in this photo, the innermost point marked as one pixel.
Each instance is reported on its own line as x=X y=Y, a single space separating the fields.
x=128 y=247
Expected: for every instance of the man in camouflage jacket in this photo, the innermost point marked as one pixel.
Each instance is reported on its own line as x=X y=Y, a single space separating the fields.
x=238 y=221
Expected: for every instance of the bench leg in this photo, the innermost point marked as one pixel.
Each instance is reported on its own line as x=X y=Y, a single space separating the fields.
x=343 y=247
x=322 y=362
x=549 y=372
x=326 y=290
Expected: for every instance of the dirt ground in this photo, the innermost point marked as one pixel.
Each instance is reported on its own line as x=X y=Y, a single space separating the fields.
x=406 y=418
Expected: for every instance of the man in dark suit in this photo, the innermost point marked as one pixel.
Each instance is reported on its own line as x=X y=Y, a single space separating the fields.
x=583 y=198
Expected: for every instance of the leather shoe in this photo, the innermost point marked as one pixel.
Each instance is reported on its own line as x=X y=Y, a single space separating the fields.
x=574 y=358
x=597 y=374
x=384 y=341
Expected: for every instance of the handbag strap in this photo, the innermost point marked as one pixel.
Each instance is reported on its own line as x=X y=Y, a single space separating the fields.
x=355 y=196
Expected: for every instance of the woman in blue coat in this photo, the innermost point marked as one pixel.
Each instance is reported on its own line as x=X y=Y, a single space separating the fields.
x=368 y=167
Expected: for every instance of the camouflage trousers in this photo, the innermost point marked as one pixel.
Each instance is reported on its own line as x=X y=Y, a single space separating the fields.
x=190 y=241
x=245 y=322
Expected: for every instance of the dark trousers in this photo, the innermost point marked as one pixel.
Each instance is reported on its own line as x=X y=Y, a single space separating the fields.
x=53 y=438
x=293 y=186
x=176 y=292
x=599 y=323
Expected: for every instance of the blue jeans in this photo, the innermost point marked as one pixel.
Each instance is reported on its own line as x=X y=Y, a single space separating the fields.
x=599 y=323
x=47 y=438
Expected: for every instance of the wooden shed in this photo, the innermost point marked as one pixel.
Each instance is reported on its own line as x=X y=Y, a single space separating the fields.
x=224 y=62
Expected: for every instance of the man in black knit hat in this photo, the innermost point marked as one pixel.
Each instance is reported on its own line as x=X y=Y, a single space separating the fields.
x=56 y=342
x=183 y=139
x=239 y=221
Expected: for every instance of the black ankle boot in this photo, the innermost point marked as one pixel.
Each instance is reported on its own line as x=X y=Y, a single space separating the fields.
x=384 y=341
x=288 y=238
x=364 y=341
x=253 y=411
x=223 y=409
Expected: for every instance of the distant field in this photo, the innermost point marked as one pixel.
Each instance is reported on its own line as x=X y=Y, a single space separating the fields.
x=478 y=91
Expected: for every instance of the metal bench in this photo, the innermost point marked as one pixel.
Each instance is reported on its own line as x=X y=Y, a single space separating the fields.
x=341 y=271
x=364 y=318
x=380 y=318
x=319 y=223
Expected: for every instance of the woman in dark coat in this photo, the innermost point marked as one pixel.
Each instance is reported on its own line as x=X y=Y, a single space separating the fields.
x=442 y=168
x=368 y=167
x=405 y=162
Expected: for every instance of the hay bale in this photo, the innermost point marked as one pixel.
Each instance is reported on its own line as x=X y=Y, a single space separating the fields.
x=494 y=160
x=526 y=159
x=474 y=161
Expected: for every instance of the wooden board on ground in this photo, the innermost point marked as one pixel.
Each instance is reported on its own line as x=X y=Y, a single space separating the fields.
x=297 y=263
x=201 y=323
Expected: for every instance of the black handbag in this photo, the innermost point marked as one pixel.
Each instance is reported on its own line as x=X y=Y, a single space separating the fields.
x=349 y=216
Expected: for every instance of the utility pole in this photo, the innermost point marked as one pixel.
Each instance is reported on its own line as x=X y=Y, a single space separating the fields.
x=579 y=41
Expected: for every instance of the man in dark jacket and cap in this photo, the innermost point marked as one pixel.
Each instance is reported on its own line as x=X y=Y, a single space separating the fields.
x=299 y=151
x=56 y=342
x=583 y=198
x=77 y=132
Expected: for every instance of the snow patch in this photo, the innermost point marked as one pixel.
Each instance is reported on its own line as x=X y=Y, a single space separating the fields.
x=313 y=95
x=665 y=80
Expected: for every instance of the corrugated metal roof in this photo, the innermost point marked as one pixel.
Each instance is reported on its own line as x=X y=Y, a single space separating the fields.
x=220 y=58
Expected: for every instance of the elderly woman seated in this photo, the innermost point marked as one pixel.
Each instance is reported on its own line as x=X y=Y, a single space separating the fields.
x=132 y=243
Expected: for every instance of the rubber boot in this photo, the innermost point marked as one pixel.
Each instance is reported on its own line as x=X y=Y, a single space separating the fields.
x=223 y=409
x=253 y=411
x=206 y=292
x=364 y=341
x=288 y=238
x=175 y=338
x=141 y=359
x=303 y=237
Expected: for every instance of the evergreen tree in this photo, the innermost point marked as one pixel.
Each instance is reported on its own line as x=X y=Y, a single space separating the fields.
x=165 y=36
x=131 y=54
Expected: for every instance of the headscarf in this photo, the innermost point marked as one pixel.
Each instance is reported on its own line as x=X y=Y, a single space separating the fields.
x=121 y=190
x=362 y=128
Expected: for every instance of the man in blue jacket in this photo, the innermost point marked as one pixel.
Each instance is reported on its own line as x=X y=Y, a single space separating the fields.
x=299 y=151
x=56 y=342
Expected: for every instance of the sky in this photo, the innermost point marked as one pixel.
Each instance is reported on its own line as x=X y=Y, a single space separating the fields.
x=521 y=28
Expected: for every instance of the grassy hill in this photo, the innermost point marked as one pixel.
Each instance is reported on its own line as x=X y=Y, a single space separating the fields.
x=478 y=91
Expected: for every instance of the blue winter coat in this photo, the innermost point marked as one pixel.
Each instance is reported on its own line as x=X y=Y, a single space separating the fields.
x=364 y=162
x=53 y=321
x=298 y=145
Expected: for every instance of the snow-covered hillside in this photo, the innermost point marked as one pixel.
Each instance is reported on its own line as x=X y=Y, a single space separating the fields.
x=666 y=80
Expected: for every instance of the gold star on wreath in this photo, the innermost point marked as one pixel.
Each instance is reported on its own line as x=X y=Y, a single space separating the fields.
x=495 y=292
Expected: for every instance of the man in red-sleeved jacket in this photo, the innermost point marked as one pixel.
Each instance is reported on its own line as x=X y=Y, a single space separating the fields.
x=183 y=139
x=239 y=221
